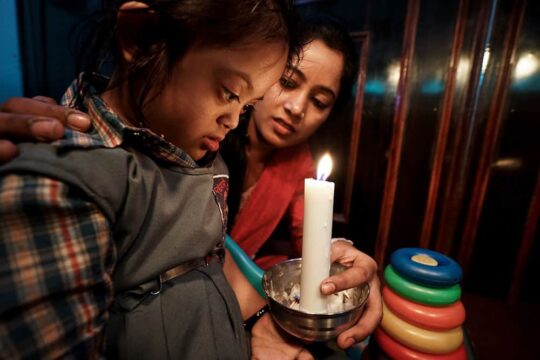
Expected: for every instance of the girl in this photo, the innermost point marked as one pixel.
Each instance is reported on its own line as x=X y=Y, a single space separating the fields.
x=79 y=223
x=338 y=65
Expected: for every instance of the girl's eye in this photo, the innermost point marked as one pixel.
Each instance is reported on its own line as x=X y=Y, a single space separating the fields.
x=230 y=96
x=287 y=83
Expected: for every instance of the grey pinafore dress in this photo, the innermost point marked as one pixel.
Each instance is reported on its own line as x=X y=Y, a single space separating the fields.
x=161 y=216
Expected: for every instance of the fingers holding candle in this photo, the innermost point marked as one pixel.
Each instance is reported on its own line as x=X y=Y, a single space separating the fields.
x=361 y=268
x=368 y=322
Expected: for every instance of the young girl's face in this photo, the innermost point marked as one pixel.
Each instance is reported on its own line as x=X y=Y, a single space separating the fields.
x=294 y=108
x=208 y=90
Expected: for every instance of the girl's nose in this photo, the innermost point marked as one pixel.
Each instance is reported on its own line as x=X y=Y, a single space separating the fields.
x=230 y=120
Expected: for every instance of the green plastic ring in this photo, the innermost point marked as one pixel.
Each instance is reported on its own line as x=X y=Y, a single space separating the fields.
x=436 y=296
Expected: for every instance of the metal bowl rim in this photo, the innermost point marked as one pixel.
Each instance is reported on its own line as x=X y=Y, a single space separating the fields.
x=298 y=312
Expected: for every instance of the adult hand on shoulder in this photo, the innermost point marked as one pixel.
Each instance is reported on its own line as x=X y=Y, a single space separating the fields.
x=361 y=268
x=36 y=119
x=270 y=342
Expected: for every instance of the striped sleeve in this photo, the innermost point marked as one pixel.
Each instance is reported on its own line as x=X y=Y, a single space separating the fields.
x=56 y=261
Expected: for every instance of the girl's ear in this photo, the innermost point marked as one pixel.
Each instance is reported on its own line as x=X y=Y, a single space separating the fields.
x=135 y=23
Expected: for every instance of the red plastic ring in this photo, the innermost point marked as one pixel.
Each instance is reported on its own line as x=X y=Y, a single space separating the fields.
x=429 y=317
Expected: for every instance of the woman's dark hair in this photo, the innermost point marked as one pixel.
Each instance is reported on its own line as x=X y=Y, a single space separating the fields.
x=336 y=36
x=181 y=23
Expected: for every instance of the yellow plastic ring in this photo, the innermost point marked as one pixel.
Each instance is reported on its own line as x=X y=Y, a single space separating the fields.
x=431 y=342
x=396 y=350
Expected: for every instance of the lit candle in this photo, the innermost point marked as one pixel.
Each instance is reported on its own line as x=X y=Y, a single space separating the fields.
x=318 y=213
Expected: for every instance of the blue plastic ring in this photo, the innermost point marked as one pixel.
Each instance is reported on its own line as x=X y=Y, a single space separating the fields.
x=447 y=272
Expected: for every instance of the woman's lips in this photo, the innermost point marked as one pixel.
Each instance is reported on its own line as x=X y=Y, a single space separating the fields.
x=281 y=127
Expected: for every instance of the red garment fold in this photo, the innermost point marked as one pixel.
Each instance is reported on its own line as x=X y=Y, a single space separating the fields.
x=280 y=184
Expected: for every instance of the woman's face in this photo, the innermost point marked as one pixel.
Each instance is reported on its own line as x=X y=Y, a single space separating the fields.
x=208 y=90
x=300 y=102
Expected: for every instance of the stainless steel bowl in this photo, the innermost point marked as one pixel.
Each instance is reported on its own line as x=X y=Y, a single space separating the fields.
x=281 y=283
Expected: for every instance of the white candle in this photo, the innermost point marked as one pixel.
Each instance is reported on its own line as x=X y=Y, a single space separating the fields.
x=318 y=214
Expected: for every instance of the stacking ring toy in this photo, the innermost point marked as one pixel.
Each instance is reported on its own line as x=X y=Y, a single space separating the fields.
x=397 y=351
x=436 y=296
x=427 y=317
x=431 y=342
x=426 y=267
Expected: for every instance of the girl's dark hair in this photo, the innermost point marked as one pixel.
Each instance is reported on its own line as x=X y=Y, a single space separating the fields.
x=181 y=23
x=336 y=36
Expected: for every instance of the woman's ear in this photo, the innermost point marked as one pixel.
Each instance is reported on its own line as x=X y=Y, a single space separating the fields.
x=136 y=23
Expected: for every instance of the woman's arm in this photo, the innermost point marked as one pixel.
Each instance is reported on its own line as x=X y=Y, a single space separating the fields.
x=249 y=299
x=56 y=260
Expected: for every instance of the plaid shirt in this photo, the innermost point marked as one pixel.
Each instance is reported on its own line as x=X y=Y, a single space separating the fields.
x=56 y=250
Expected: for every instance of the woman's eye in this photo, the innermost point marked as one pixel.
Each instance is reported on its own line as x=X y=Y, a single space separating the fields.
x=230 y=96
x=287 y=82
x=319 y=104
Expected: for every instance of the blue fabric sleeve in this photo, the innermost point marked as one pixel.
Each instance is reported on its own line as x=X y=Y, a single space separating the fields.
x=250 y=270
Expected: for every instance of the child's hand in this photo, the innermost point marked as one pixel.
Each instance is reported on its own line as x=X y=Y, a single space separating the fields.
x=269 y=342
x=36 y=119
x=361 y=269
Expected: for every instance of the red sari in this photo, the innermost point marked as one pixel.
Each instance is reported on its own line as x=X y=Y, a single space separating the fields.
x=278 y=193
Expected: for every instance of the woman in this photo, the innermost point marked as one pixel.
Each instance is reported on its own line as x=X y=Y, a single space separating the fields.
x=267 y=180
x=266 y=194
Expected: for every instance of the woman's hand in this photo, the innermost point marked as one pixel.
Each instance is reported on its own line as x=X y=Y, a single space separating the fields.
x=361 y=268
x=270 y=342
x=36 y=119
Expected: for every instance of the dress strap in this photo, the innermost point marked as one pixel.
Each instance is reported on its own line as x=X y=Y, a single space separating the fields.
x=130 y=299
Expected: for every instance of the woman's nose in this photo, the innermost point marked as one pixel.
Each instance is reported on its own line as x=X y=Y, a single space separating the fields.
x=294 y=109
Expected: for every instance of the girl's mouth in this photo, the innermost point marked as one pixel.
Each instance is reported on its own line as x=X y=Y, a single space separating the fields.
x=211 y=144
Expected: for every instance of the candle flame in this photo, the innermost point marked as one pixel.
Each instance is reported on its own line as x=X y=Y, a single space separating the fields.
x=324 y=168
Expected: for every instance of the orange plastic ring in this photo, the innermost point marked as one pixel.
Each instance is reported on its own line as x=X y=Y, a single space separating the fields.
x=428 y=341
x=428 y=317
x=397 y=351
